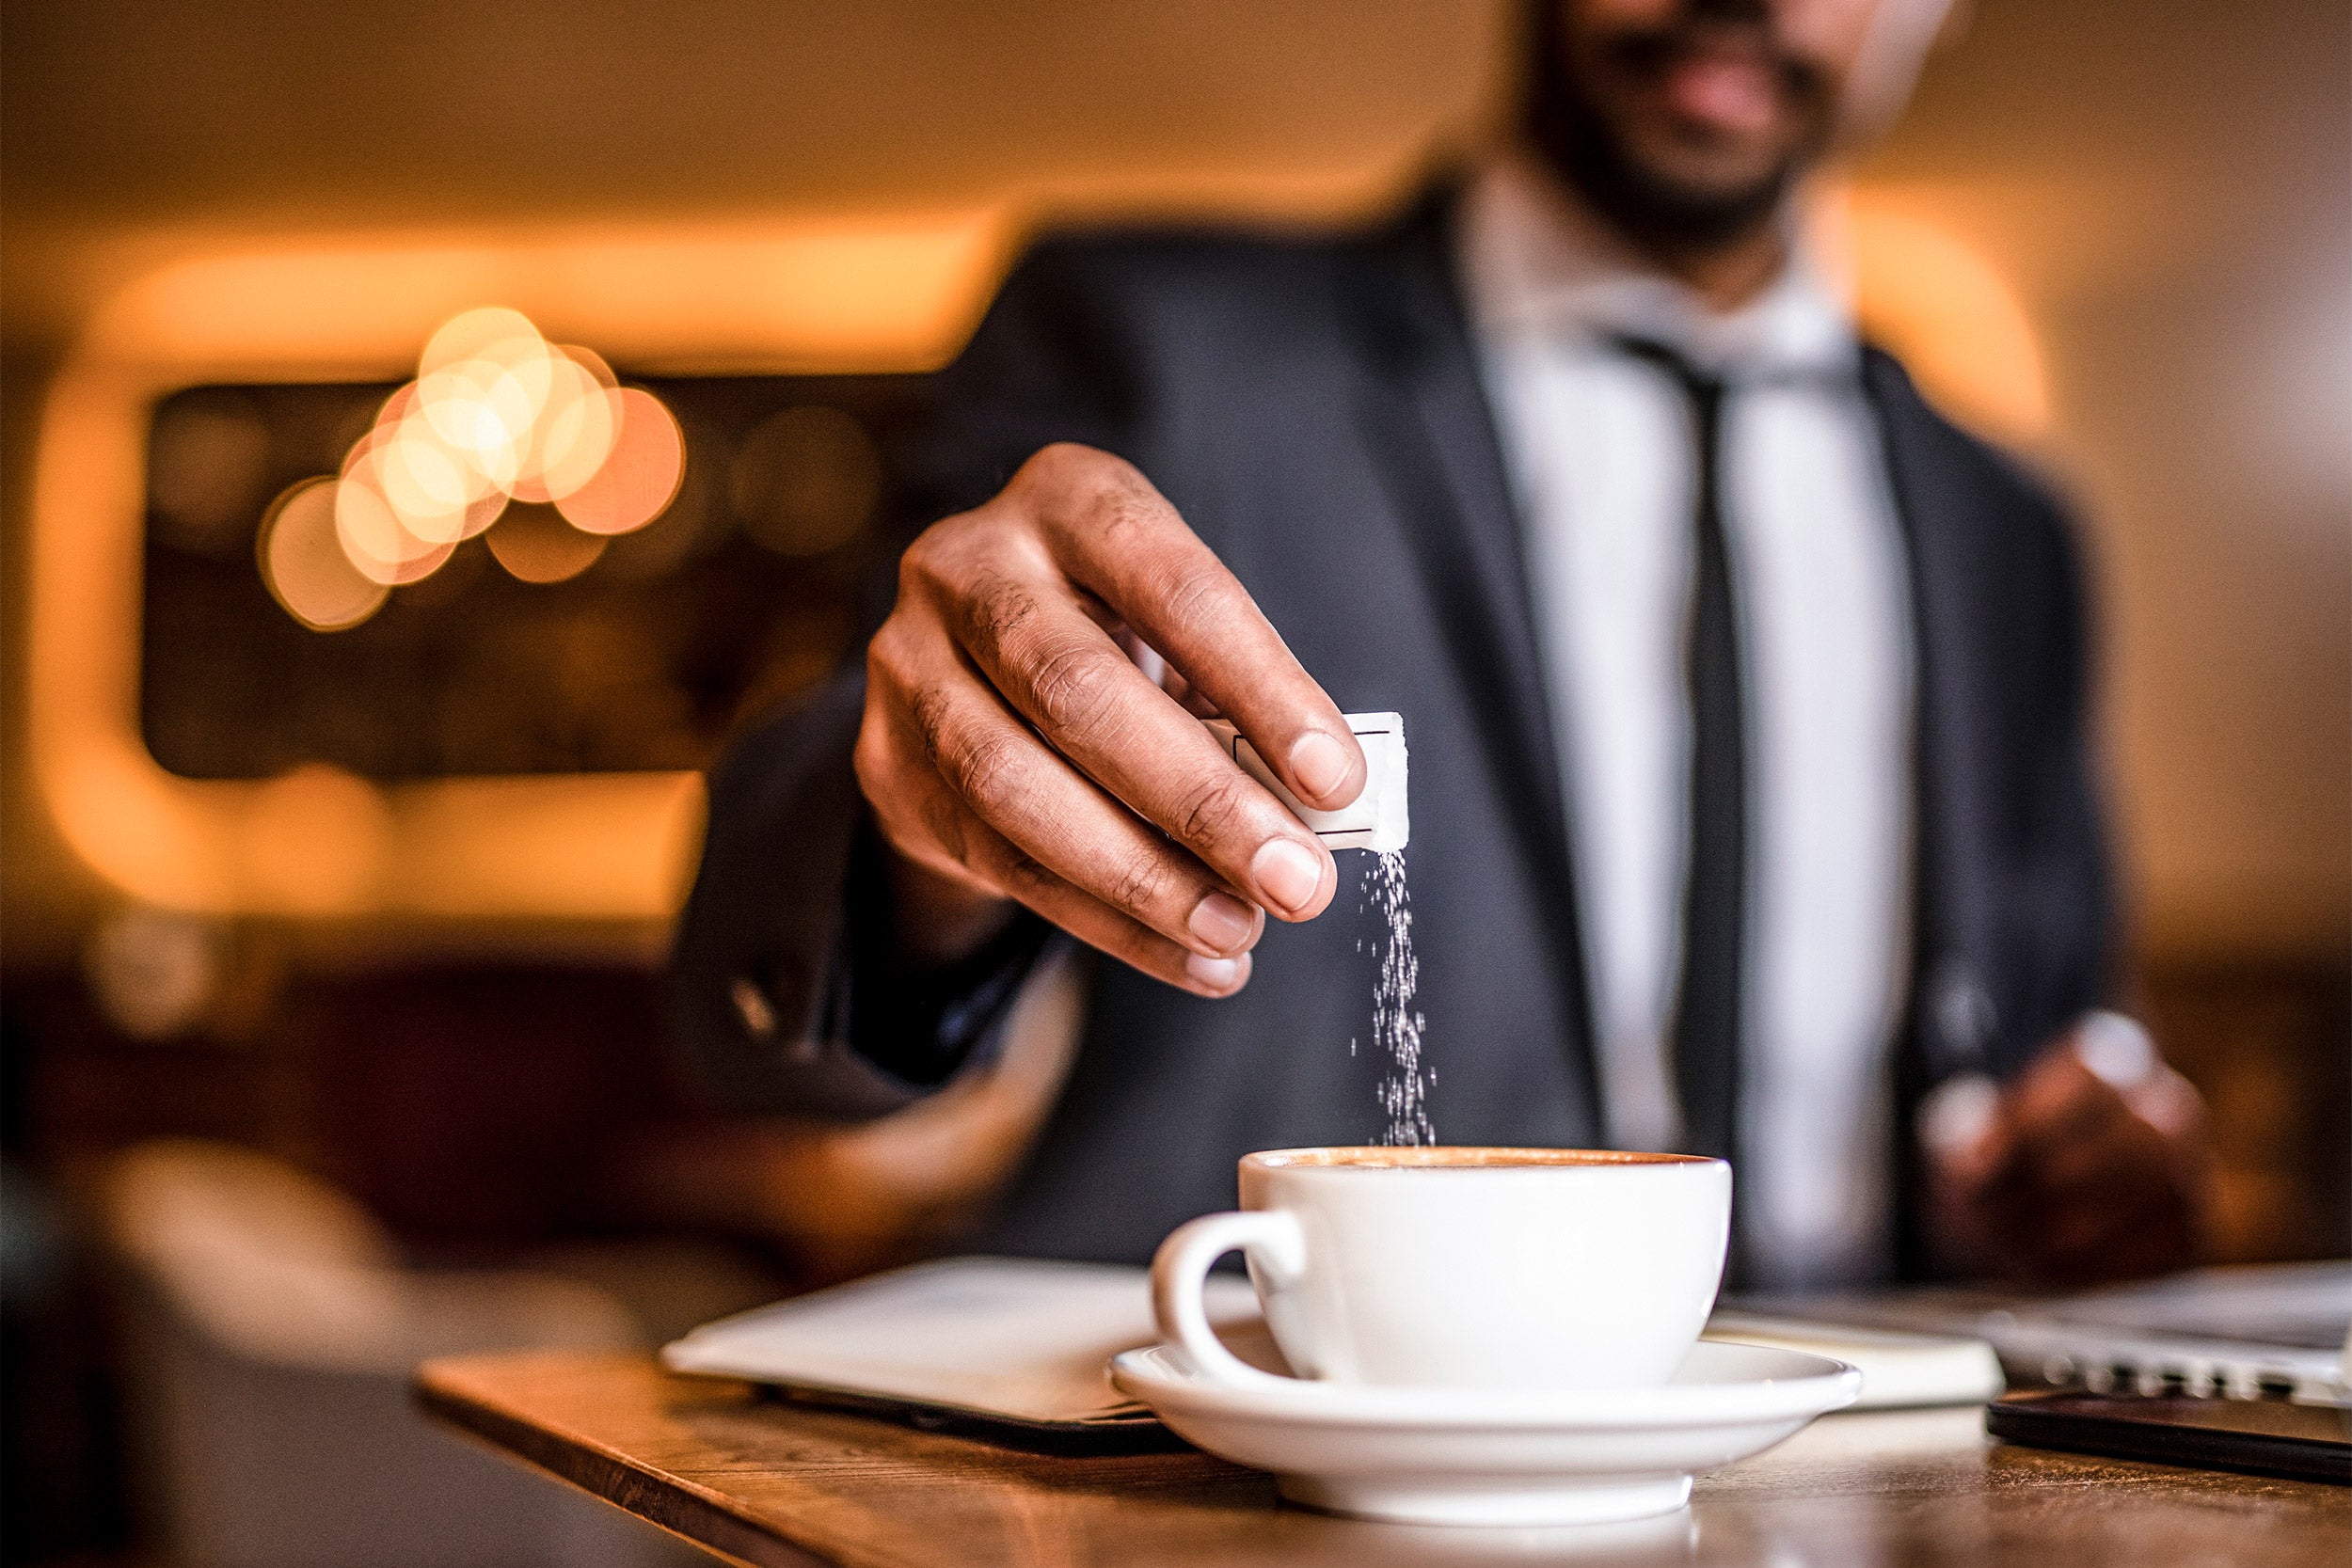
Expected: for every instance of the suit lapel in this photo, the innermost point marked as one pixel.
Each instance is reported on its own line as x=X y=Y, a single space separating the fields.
x=1952 y=1016
x=1424 y=415
x=1954 y=1011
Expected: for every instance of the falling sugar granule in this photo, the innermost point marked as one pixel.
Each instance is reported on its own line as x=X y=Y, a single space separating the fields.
x=1396 y=1026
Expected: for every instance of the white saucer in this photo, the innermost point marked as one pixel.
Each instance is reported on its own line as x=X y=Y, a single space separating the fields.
x=1444 y=1456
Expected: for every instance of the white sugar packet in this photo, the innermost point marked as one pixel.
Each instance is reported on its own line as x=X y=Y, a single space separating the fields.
x=1377 y=821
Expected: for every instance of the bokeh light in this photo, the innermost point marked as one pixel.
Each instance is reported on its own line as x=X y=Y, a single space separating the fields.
x=496 y=415
x=374 y=540
x=806 y=480
x=304 y=566
x=153 y=972
x=535 y=545
x=1928 y=294
x=575 y=439
x=645 y=460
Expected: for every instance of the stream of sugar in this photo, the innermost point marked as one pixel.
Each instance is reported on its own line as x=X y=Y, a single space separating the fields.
x=1396 y=1025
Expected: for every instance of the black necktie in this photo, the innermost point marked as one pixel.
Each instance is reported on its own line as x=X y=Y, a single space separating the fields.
x=1707 y=1025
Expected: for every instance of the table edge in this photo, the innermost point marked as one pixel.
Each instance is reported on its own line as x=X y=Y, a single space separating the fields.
x=608 y=1477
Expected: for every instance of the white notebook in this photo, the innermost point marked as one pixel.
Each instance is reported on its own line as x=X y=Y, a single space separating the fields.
x=1016 y=1347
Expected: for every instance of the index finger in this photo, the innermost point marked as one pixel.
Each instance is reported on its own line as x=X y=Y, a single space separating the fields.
x=1116 y=536
x=1047 y=656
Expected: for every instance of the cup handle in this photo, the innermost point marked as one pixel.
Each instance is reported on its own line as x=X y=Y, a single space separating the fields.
x=1179 y=1270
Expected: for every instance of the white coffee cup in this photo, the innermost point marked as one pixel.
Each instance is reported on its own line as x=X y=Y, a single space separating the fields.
x=1457 y=1267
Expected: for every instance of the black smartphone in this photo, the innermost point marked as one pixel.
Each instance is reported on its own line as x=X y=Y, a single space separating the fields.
x=2263 y=1437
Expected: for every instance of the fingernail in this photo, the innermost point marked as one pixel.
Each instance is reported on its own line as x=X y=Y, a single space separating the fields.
x=1289 y=873
x=1319 y=764
x=1221 y=921
x=1218 y=975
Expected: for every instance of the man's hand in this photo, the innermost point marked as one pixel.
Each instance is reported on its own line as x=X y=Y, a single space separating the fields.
x=1012 y=750
x=2090 y=1166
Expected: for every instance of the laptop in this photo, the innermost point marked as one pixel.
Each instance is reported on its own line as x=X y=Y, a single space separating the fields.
x=2272 y=1330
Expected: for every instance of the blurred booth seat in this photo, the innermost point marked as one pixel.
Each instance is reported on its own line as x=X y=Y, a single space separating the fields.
x=270 y=1331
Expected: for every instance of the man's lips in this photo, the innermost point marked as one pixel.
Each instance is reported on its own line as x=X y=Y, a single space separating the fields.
x=1735 y=92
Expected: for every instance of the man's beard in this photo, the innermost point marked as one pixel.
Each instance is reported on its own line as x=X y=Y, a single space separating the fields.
x=1646 y=203
x=1649 y=203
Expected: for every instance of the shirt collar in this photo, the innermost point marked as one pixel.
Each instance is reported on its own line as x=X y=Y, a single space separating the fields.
x=1539 y=266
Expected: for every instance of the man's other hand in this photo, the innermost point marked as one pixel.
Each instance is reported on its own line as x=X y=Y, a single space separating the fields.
x=2090 y=1166
x=1013 y=749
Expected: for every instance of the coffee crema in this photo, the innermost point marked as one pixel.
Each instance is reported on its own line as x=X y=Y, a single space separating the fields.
x=1456 y=1157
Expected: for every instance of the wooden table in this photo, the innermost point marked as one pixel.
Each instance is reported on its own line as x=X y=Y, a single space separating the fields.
x=762 y=1481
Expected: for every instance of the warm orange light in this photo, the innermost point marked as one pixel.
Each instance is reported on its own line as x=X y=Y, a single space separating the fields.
x=316 y=841
x=851 y=296
x=475 y=334
x=874 y=298
x=1933 y=299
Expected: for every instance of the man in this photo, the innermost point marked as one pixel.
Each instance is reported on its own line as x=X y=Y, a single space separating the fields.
x=1752 y=802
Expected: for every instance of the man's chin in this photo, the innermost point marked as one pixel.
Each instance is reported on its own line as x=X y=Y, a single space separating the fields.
x=1692 y=166
x=1731 y=198
x=1685 y=202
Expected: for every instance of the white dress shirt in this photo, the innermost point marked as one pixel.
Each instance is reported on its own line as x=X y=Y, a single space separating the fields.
x=1599 y=449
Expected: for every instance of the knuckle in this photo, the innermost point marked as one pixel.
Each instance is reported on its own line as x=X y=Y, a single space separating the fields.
x=1124 y=507
x=997 y=608
x=985 y=771
x=889 y=659
x=921 y=562
x=1141 y=883
x=1103 y=491
x=939 y=561
x=871 y=760
x=1197 y=593
x=1073 y=465
x=1070 y=686
x=913 y=566
x=928 y=709
x=1022 y=875
x=1212 y=809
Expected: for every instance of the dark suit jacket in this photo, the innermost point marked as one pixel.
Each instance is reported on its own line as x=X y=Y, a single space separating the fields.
x=1313 y=407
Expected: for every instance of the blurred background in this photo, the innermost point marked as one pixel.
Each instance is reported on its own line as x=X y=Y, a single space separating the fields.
x=333 y=904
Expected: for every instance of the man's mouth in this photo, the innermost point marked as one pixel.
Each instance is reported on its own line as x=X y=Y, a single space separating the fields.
x=1727 y=88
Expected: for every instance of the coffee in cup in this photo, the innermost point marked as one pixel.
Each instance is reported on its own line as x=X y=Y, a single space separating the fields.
x=1461 y=1267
